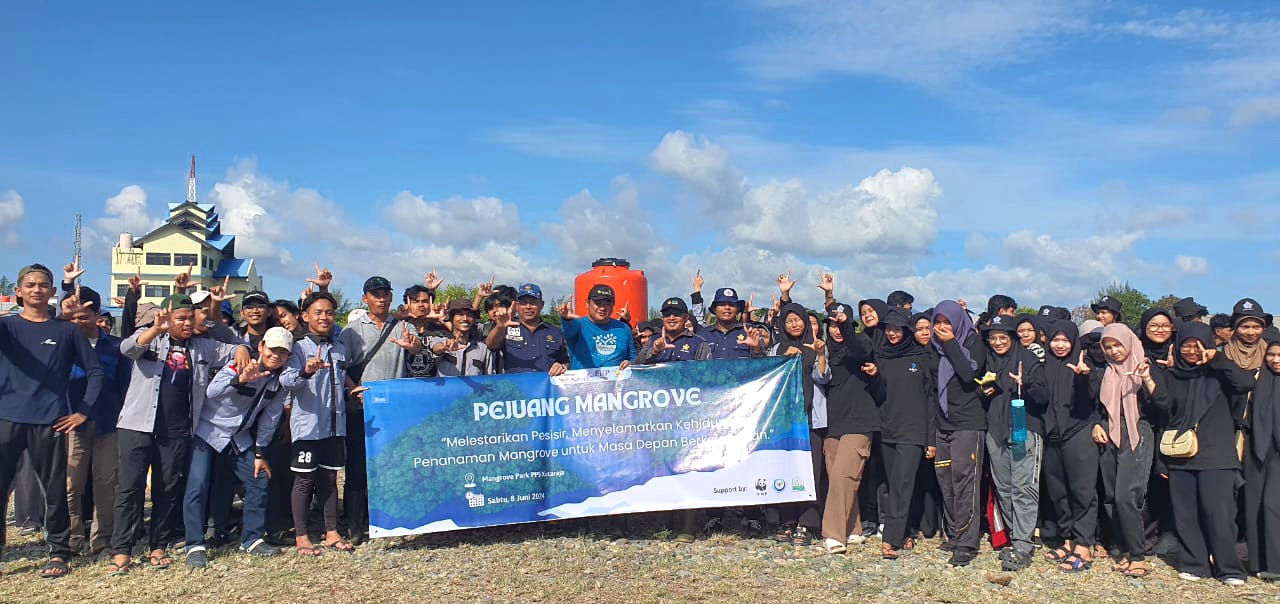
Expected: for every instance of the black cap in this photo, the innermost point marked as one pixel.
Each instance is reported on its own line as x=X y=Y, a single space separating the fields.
x=1188 y=308
x=375 y=283
x=255 y=298
x=1106 y=303
x=674 y=304
x=1248 y=308
x=1001 y=323
x=601 y=292
x=838 y=307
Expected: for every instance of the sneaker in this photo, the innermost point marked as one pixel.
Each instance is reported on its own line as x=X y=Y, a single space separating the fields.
x=1233 y=582
x=1269 y=576
x=1189 y=577
x=960 y=558
x=752 y=529
x=261 y=549
x=857 y=540
x=197 y=558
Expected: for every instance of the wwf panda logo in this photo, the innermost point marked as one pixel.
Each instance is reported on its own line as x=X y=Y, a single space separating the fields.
x=762 y=485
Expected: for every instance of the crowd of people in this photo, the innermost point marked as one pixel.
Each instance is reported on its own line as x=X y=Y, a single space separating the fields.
x=1103 y=439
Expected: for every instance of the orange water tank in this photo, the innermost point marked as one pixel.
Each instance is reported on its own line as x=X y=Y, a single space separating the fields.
x=629 y=285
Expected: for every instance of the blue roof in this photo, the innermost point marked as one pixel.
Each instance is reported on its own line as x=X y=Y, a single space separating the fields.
x=232 y=267
x=221 y=241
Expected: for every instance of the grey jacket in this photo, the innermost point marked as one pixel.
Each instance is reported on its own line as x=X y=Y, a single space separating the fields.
x=319 y=405
x=140 y=401
x=246 y=414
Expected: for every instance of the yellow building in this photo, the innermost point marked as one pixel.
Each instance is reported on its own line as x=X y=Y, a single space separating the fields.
x=191 y=236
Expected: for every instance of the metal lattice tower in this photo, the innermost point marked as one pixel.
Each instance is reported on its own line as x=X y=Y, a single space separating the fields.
x=191 y=182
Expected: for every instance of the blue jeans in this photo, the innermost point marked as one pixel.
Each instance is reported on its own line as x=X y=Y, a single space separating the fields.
x=195 y=505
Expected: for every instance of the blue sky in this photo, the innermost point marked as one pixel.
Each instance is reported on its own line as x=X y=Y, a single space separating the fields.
x=950 y=149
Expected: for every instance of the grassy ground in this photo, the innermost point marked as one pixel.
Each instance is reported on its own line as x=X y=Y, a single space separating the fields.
x=538 y=563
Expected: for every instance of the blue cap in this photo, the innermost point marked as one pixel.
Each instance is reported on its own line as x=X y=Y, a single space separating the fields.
x=529 y=290
x=726 y=295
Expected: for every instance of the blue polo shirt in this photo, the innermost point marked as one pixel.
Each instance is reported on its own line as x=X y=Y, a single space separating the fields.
x=533 y=351
x=591 y=346
x=726 y=344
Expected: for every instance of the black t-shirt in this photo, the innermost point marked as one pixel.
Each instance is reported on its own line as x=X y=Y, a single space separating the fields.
x=424 y=363
x=173 y=411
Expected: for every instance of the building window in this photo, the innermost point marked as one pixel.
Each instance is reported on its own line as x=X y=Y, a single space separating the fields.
x=122 y=290
x=157 y=291
x=157 y=259
x=186 y=259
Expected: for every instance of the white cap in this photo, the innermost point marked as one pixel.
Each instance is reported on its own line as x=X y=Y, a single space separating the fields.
x=278 y=337
x=199 y=297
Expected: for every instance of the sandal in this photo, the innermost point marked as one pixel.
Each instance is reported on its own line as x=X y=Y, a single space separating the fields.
x=908 y=544
x=119 y=570
x=784 y=533
x=341 y=545
x=1057 y=555
x=1075 y=564
x=800 y=537
x=835 y=547
x=160 y=562
x=887 y=552
x=55 y=568
x=1137 y=572
x=308 y=551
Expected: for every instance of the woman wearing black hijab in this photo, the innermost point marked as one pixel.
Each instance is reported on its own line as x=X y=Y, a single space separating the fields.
x=1262 y=469
x=853 y=418
x=1070 y=455
x=1156 y=331
x=1015 y=373
x=907 y=388
x=872 y=312
x=795 y=338
x=1197 y=393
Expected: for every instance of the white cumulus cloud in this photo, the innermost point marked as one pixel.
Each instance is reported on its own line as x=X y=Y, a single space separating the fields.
x=702 y=165
x=455 y=220
x=1191 y=265
x=12 y=211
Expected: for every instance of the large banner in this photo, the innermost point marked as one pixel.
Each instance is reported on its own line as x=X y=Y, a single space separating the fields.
x=459 y=452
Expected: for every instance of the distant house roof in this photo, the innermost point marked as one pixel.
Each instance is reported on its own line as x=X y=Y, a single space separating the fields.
x=233 y=267
x=207 y=207
x=221 y=242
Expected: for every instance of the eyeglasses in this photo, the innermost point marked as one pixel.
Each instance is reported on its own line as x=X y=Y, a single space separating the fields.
x=1159 y=327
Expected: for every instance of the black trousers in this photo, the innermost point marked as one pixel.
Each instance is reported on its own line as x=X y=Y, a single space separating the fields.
x=959 y=469
x=1125 y=472
x=355 y=490
x=279 y=509
x=1262 y=512
x=1204 y=510
x=47 y=453
x=168 y=460
x=1070 y=478
x=926 y=505
x=901 y=462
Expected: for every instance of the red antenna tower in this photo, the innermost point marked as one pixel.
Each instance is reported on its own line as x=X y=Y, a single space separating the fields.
x=191 y=181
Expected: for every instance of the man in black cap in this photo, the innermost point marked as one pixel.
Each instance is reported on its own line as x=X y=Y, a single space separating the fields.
x=597 y=340
x=527 y=343
x=379 y=347
x=675 y=342
x=729 y=338
x=35 y=412
x=1108 y=310
x=255 y=312
x=1188 y=310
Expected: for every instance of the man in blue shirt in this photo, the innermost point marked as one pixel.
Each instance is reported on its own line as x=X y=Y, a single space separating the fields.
x=727 y=337
x=597 y=340
x=35 y=411
x=527 y=344
x=674 y=342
